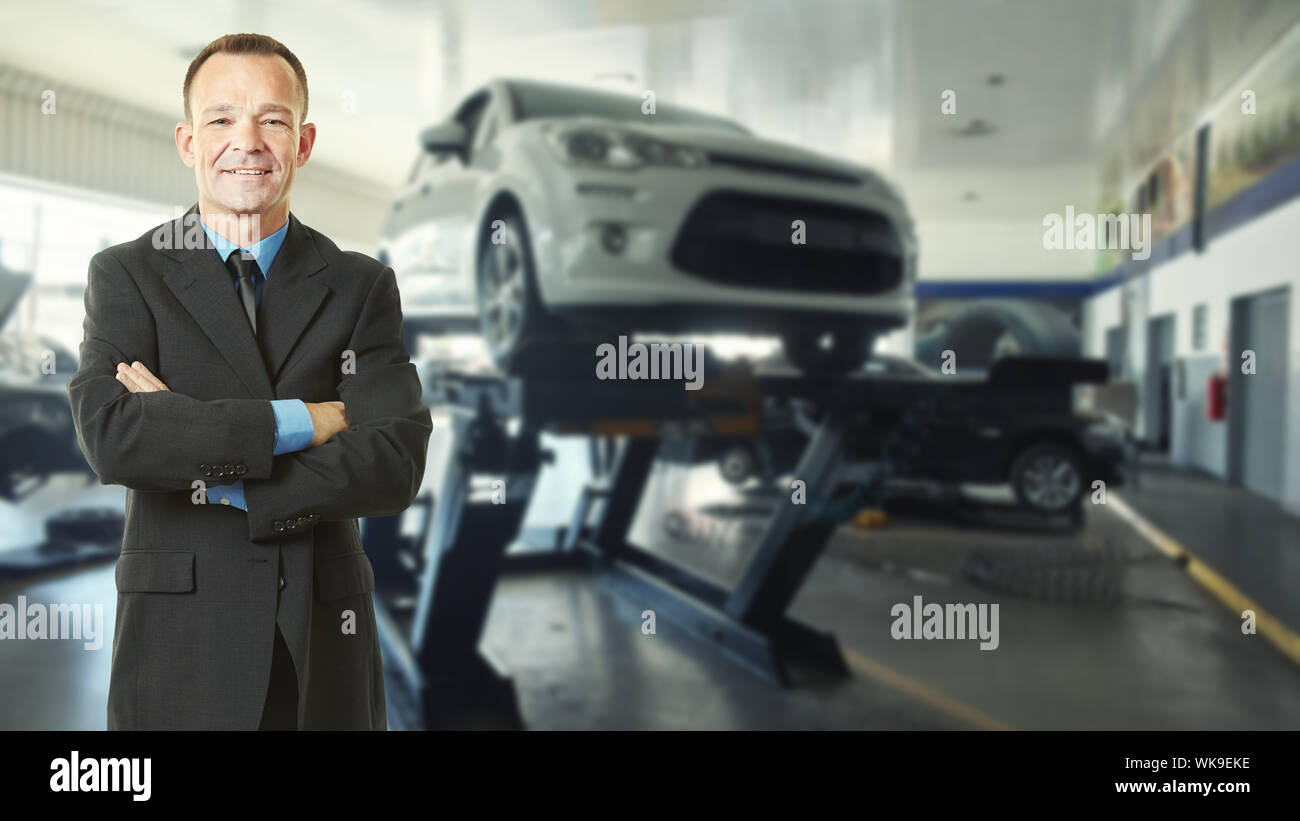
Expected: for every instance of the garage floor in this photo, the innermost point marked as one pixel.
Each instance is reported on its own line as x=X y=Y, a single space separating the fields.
x=1113 y=635
x=1247 y=538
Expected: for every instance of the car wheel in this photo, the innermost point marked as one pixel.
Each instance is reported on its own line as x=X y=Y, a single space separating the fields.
x=1047 y=478
x=827 y=353
x=511 y=315
x=23 y=469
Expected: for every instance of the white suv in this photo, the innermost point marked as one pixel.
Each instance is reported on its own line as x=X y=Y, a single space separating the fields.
x=541 y=210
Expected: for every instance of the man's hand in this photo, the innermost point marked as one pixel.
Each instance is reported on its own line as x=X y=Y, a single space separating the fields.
x=328 y=418
x=138 y=379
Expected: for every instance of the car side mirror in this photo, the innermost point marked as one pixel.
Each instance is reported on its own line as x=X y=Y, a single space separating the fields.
x=445 y=138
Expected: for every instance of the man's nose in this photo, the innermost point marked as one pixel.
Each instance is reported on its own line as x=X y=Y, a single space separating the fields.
x=247 y=137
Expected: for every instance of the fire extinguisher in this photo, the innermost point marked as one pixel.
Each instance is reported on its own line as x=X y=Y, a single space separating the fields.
x=1216 y=404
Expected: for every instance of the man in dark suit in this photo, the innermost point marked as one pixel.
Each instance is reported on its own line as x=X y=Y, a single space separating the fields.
x=246 y=380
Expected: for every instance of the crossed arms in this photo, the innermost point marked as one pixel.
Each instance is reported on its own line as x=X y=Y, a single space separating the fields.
x=298 y=425
x=155 y=440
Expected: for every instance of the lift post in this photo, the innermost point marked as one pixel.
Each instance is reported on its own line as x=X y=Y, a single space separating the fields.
x=747 y=623
x=496 y=426
x=461 y=687
x=466 y=543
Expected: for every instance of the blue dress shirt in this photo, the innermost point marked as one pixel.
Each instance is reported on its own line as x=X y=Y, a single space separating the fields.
x=293 y=426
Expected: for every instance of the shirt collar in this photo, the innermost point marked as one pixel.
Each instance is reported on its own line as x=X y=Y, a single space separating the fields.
x=264 y=250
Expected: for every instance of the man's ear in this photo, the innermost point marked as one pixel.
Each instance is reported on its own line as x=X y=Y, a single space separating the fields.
x=185 y=143
x=306 y=139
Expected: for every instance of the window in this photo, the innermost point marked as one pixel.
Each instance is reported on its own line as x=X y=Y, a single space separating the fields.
x=487 y=131
x=470 y=113
x=532 y=100
x=1200 y=320
x=34 y=242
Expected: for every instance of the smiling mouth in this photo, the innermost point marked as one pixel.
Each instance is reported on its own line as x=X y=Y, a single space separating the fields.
x=247 y=172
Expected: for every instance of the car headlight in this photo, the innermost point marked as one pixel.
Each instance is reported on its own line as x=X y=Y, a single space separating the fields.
x=613 y=148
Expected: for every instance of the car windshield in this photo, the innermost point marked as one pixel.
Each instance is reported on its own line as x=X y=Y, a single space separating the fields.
x=539 y=100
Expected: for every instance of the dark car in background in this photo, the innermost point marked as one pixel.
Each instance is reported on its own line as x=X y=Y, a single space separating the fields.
x=37 y=437
x=1024 y=434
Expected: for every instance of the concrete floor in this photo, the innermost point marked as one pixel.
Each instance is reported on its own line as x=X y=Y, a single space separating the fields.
x=1249 y=539
x=1150 y=651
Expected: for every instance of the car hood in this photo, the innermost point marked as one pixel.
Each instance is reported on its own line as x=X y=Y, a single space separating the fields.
x=12 y=287
x=744 y=146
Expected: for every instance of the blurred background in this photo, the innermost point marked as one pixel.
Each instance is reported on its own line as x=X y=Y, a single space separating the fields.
x=986 y=117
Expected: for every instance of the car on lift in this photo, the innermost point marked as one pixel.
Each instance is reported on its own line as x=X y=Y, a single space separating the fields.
x=544 y=212
x=1008 y=428
x=37 y=437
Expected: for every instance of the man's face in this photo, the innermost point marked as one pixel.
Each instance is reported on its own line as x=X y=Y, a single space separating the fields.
x=244 y=143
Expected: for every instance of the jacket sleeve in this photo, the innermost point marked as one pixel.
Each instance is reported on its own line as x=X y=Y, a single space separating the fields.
x=376 y=466
x=157 y=440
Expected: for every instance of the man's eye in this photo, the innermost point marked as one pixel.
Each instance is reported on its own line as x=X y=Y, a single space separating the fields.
x=281 y=122
x=221 y=120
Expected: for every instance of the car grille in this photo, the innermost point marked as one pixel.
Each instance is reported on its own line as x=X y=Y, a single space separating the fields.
x=745 y=239
x=803 y=172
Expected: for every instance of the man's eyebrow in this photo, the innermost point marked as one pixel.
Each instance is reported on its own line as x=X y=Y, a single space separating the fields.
x=226 y=108
x=217 y=108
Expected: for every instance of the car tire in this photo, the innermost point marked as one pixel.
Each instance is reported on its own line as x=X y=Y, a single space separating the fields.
x=1047 y=478
x=827 y=353
x=511 y=315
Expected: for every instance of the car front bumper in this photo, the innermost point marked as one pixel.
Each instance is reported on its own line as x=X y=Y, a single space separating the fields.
x=613 y=239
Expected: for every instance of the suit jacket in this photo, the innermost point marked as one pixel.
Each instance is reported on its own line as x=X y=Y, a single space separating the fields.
x=201 y=587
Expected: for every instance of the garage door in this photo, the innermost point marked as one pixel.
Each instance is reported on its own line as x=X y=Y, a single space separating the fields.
x=1263 y=394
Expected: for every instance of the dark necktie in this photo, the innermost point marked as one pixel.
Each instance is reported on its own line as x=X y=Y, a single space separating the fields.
x=247 y=272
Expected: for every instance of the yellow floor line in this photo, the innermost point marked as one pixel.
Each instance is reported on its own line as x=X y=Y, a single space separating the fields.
x=921 y=692
x=1266 y=624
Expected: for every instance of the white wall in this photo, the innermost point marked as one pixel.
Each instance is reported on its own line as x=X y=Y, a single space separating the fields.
x=997 y=250
x=1258 y=256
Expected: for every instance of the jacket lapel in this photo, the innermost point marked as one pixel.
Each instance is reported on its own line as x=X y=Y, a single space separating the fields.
x=290 y=298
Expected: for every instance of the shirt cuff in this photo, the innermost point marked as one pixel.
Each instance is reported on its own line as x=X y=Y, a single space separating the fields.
x=293 y=426
x=231 y=495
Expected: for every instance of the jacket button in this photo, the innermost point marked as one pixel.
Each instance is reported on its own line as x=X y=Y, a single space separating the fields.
x=282 y=582
x=279 y=527
x=241 y=469
x=205 y=470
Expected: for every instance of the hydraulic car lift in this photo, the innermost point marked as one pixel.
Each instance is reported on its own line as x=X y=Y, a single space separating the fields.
x=496 y=426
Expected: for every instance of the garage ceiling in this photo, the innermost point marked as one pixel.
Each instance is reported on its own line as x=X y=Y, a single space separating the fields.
x=857 y=78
